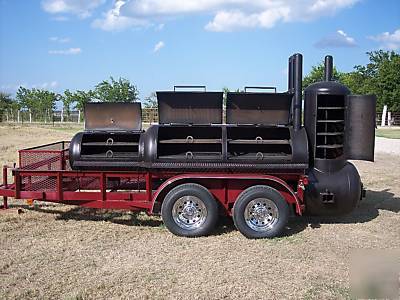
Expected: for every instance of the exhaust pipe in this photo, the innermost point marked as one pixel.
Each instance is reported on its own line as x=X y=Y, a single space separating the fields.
x=297 y=69
x=328 y=68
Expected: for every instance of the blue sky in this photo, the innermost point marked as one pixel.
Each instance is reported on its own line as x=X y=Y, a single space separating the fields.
x=74 y=44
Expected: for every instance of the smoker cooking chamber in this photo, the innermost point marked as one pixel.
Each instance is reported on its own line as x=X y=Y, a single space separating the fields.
x=111 y=138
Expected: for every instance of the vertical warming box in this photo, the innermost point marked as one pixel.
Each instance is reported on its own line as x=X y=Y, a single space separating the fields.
x=111 y=139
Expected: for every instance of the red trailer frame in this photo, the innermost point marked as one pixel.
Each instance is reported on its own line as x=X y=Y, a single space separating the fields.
x=44 y=174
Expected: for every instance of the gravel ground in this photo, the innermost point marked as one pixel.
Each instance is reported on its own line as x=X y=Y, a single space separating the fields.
x=384 y=145
x=66 y=252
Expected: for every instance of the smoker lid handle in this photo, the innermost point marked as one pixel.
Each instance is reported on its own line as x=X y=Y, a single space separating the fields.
x=190 y=87
x=259 y=88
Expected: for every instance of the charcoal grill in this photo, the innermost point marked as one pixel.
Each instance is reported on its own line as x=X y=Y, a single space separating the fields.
x=111 y=139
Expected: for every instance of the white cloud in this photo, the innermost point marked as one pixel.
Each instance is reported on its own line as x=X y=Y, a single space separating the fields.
x=45 y=85
x=61 y=40
x=114 y=21
x=339 y=39
x=228 y=15
x=390 y=41
x=81 y=8
x=234 y=20
x=158 y=46
x=160 y=27
x=11 y=88
x=70 y=51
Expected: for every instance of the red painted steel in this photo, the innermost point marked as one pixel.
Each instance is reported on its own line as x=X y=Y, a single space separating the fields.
x=45 y=178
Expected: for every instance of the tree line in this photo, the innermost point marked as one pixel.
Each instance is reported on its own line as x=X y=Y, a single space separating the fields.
x=40 y=104
x=380 y=76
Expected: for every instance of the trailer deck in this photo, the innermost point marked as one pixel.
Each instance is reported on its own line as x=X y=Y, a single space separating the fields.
x=44 y=174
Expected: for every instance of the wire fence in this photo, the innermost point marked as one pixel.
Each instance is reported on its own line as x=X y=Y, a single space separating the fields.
x=149 y=115
x=395 y=119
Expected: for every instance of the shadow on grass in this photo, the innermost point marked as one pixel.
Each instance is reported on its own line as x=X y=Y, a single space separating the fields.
x=367 y=210
x=77 y=213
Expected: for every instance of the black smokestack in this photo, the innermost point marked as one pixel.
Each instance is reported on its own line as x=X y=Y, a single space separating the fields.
x=328 y=67
x=298 y=86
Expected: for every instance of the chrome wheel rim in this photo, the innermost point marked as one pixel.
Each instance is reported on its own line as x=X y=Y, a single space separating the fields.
x=189 y=212
x=261 y=214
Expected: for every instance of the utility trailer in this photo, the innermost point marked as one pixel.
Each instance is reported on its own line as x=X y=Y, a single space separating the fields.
x=259 y=164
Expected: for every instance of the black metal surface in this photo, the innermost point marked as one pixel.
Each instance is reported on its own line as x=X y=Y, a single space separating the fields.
x=224 y=143
x=104 y=149
x=360 y=127
x=117 y=116
x=298 y=88
x=324 y=120
x=189 y=107
x=229 y=166
x=290 y=75
x=258 y=108
x=328 y=71
x=342 y=186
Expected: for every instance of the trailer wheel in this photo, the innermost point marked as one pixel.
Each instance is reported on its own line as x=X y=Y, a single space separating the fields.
x=189 y=210
x=260 y=212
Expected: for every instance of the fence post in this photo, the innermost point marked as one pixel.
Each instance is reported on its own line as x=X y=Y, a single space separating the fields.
x=384 y=116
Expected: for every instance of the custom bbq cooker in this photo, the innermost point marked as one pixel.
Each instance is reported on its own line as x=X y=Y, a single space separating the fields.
x=254 y=158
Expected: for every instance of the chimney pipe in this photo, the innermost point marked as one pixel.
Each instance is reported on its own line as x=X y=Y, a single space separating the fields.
x=298 y=87
x=290 y=74
x=328 y=68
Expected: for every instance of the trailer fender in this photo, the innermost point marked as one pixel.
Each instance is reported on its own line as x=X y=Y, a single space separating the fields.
x=286 y=191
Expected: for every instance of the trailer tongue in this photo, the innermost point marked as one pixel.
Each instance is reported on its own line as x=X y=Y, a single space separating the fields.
x=255 y=162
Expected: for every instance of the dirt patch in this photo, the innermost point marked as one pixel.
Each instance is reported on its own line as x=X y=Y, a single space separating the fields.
x=65 y=252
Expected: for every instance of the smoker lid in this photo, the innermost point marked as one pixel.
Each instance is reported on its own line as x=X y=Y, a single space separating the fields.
x=189 y=107
x=258 y=108
x=117 y=116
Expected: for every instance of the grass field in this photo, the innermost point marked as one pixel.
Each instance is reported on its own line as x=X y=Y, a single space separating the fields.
x=391 y=133
x=65 y=252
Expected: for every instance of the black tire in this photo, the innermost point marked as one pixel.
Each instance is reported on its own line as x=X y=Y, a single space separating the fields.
x=260 y=196
x=197 y=193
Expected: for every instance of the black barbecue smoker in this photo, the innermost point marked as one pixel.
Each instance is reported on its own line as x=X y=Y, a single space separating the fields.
x=238 y=159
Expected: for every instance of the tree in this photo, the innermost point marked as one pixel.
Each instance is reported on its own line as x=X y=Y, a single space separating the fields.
x=120 y=90
x=151 y=101
x=317 y=74
x=381 y=76
x=5 y=102
x=39 y=103
x=24 y=98
x=67 y=100
x=81 y=98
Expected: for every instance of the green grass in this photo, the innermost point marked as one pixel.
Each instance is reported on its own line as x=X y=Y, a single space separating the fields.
x=391 y=133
